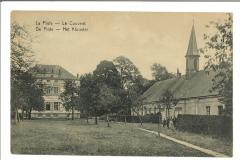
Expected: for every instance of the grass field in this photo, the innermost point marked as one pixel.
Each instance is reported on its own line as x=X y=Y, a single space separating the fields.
x=66 y=137
x=221 y=145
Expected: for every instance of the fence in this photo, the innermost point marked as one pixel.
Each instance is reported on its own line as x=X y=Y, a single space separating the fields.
x=205 y=124
x=150 y=118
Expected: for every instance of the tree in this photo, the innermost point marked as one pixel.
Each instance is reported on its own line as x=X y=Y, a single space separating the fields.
x=25 y=94
x=138 y=106
x=21 y=52
x=129 y=73
x=218 y=52
x=32 y=94
x=110 y=88
x=89 y=91
x=131 y=80
x=70 y=96
x=168 y=102
x=160 y=72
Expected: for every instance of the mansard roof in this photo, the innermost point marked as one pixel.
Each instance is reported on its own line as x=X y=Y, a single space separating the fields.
x=51 y=71
x=198 y=86
x=192 y=45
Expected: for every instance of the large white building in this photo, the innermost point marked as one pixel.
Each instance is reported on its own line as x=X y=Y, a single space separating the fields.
x=192 y=90
x=51 y=79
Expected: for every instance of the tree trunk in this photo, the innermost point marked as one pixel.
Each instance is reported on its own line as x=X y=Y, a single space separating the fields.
x=22 y=115
x=108 y=121
x=96 y=121
x=140 y=119
x=18 y=119
x=72 y=113
x=125 y=119
x=159 y=118
x=87 y=119
x=29 y=114
x=16 y=115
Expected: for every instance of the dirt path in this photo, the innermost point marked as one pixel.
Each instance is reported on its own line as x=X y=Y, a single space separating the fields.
x=207 y=151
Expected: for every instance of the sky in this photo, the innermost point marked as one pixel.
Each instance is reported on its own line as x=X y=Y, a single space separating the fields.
x=143 y=37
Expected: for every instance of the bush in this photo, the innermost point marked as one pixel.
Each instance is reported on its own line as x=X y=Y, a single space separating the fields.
x=205 y=124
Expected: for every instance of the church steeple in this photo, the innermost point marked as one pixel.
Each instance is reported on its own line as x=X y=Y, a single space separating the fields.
x=192 y=45
x=192 y=56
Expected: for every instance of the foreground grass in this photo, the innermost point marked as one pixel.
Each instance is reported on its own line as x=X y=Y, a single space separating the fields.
x=68 y=137
x=221 y=145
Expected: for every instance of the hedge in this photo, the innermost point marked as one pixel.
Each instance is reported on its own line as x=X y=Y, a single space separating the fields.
x=205 y=124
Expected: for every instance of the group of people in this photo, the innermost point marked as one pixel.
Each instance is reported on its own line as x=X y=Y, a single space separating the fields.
x=170 y=122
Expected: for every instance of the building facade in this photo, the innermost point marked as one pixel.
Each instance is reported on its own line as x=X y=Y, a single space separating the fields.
x=192 y=91
x=51 y=79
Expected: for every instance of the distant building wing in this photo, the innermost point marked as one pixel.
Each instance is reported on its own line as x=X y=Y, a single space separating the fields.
x=51 y=71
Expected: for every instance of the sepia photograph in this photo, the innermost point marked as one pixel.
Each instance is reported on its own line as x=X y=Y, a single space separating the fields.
x=109 y=83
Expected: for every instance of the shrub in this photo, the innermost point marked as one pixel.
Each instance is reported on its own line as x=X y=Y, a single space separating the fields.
x=205 y=124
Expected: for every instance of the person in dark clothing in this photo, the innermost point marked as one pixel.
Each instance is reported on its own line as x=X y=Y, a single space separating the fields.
x=168 y=122
x=164 y=122
x=174 y=121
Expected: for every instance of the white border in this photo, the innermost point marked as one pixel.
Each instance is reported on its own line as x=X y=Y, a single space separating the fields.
x=7 y=7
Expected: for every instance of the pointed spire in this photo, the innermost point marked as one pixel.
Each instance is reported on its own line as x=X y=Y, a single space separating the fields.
x=192 y=45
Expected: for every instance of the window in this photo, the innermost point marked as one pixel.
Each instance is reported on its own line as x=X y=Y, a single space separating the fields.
x=56 y=105
x=48 y=90
x=220 y=110
x=154 y=110
x=48 y=80
x=150 y=110
x=208 y=108
x=48 y=106
x=55 y=80
x=55 y=90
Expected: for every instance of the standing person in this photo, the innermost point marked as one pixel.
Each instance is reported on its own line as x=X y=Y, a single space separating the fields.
x=174 y=121
x=164 y=122
x=168 y=123
x=171 y=123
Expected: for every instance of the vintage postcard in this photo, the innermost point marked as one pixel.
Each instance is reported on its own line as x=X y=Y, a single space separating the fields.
x=121 y=83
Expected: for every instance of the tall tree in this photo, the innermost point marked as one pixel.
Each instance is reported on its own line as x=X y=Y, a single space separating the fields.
x=23 y=86
x=129 y=73
x=70 y=96
x=131 y=79
x=21 y=51
x=110 y=88
x=89 y=91
x=32 y=94
x=160 y=72
x=218 y=52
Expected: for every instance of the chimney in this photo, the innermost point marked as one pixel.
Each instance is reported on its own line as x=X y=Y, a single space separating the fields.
x=77 y=75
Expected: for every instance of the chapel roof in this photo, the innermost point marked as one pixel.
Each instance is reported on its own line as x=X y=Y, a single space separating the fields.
x=199 y=85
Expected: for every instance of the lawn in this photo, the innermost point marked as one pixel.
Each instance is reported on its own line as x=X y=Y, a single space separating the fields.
x=66 y=137
x=218 y=144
